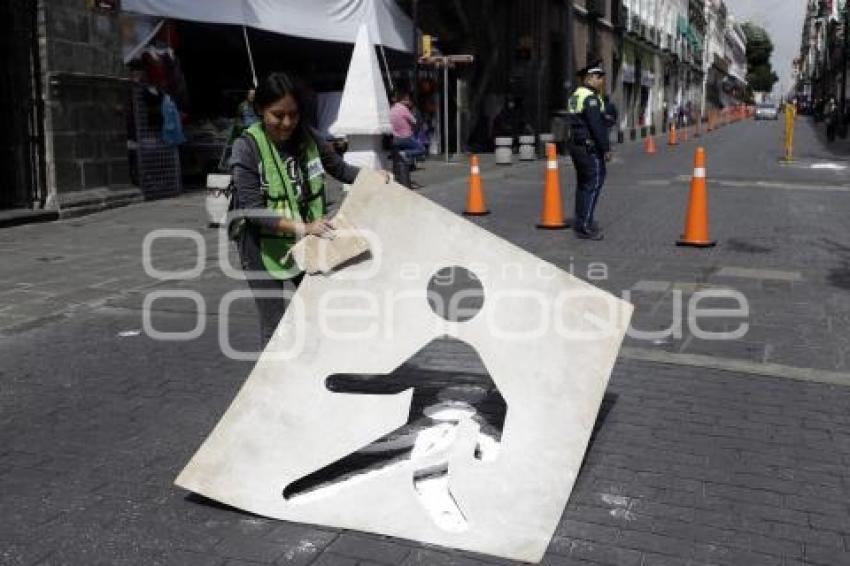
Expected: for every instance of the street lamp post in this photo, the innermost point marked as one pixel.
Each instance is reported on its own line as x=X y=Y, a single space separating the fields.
x=569 y=13
x=842 y=129
x=414 y=88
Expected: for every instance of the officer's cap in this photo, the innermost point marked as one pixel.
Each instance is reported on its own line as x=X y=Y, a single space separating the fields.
x=594 y=68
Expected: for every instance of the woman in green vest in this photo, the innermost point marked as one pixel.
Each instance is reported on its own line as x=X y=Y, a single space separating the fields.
x=278 y=167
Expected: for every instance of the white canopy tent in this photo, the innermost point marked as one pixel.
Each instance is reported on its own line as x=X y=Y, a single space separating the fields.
x=326 y=20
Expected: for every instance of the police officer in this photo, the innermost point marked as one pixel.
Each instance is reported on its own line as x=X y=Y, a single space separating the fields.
x=589 y=147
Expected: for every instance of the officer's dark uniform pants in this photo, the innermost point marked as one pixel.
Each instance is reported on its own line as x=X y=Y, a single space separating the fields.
x=270 y=294
x=590 y=176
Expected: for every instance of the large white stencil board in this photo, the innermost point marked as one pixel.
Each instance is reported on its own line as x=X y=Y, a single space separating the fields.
x=548 y=340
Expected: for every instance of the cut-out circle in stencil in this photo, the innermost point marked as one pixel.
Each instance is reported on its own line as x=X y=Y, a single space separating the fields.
x=455 y=294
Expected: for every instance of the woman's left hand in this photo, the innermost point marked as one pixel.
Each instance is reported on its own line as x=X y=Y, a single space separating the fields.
x=388 y=177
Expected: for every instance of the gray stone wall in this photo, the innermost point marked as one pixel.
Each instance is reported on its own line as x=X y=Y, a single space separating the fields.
x=87 y=96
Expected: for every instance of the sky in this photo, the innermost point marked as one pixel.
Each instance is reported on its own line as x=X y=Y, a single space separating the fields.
x=783 y=20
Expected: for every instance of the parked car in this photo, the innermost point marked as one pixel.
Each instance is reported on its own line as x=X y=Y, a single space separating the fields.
x=767 y=112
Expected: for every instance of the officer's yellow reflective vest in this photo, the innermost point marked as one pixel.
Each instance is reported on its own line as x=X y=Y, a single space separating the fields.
x=579 y=97
x=280 y=191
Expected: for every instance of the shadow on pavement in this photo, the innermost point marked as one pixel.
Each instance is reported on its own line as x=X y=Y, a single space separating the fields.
x=839 y=277
x=839 y=149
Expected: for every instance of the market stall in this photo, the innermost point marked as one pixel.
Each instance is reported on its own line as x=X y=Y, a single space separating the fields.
x=221 y=46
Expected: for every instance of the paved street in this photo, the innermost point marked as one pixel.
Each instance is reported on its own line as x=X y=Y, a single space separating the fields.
x=705 y=451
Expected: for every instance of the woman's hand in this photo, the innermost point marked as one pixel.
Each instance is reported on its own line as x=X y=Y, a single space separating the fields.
x=321 y=228
x=388 y=177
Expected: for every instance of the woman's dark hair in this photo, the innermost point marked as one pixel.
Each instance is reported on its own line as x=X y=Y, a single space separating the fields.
x=276 y=86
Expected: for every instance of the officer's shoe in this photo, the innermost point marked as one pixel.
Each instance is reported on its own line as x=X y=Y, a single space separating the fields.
x=588 y=233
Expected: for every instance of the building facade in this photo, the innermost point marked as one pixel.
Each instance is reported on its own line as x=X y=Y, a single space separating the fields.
x=733 y=87
x=598 y=27
x=725 y=63
x=70 y=95
x=821 y=69
x=811 y=45
x=643 y=74
x=693 y=45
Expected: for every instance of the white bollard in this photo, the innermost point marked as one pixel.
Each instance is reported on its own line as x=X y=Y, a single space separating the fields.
x=504 y=151
x=218 y=198
x=526 y=148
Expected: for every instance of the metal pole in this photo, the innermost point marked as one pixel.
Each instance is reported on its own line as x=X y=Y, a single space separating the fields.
x=457 y=117
x=842 y=127
x=250 y=56
x=570 y=47
x=414 y=88
x=446 y=106
x=40 y=195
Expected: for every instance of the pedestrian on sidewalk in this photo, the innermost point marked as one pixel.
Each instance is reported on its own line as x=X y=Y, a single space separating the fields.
x=278 y=167
x=589 y=147
x=831 y=117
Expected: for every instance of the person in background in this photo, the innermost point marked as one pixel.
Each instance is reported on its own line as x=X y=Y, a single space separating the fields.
x=403 y=123
x=246 y=116
x=278 y=167
x=505 y=122
x=830 y=115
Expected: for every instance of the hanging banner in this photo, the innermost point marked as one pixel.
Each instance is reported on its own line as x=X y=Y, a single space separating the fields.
x=628 y=73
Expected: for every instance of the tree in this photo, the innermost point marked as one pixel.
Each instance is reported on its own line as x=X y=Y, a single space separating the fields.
x=760 y=74
x=762 y=78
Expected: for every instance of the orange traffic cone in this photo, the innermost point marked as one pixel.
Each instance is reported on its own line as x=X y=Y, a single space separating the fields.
x=672 y=139
x=649 y=146
x=475 y=203
x=696 y=222
x=552 y=217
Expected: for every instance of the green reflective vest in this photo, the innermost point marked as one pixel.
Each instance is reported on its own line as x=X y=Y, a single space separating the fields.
x=579 y=97
x=280 y=190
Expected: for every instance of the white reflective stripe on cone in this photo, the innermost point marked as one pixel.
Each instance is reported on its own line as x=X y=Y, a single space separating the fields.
x=475 y=170
x=551 y=165
x=699 y=172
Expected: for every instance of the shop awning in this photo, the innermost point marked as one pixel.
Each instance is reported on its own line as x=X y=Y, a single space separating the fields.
x=325 y=20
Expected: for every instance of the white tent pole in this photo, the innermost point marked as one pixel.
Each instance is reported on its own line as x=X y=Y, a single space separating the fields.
x=250 y=56
x=144 y=43
x=370 y=18
x=446 y=105
x=457 y=117
x=387 y=68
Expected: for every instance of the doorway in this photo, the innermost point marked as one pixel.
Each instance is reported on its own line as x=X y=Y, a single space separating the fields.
x=21 y=138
